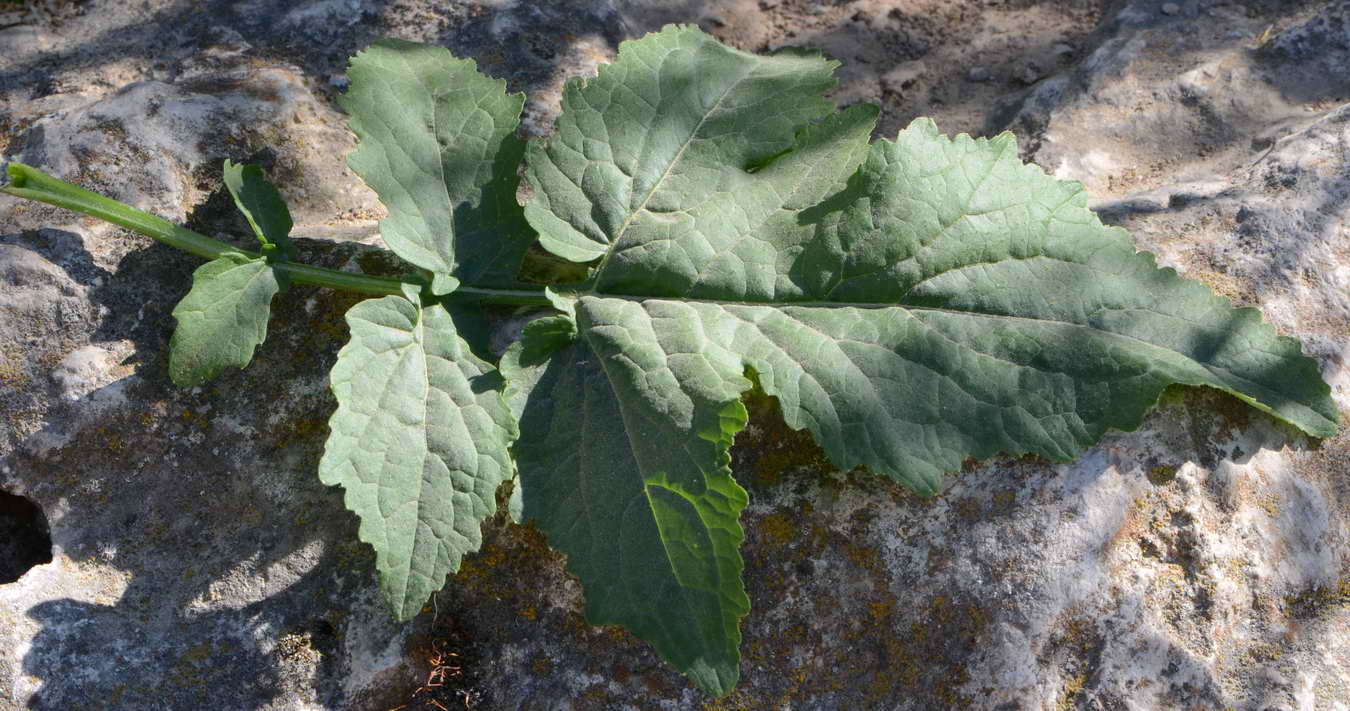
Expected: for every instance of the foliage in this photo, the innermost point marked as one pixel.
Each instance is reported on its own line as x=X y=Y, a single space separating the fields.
x=911 y=302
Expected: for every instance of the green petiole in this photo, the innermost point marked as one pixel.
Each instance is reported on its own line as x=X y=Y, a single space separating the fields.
x=30 y=183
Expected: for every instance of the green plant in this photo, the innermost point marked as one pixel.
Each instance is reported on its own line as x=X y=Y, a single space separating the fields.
x=912 y=303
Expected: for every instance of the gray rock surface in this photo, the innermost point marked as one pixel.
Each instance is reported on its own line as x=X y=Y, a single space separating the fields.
x=1200 y=562
x=195 y=555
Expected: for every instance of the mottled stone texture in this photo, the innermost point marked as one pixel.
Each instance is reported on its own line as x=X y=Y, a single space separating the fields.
x=1202 y=562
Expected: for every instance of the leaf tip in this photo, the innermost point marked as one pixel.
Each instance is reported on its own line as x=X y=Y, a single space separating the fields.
x=715 y=677
x=442 y=284
x=15 y=174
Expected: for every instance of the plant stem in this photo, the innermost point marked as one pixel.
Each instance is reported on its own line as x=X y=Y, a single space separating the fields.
x=509 y=297
x=31 y=183
x=28 y=182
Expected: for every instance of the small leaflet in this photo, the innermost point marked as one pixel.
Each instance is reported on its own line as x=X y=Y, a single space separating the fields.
x=222 y=319
x=262 y=206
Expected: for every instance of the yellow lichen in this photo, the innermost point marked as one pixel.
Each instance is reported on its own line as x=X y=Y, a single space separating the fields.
x=881 y=611
x=541 y=666
x=1269 y=652
x=197 y=653
x=11 y=373
x=780 y=448
x=1320 y=599
x=861 y=556
x=777 y=529
x=1162 y=475
x=968 y=509
x=1073 y=686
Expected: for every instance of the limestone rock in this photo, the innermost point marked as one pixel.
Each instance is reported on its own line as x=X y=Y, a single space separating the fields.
x=1200 y=562
x=195 y=554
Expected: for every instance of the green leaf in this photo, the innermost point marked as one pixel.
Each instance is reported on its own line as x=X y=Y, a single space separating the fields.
x=676 y=119
x=222 y=318
x=623 y=461
x=946 y=302
x=912 y=303
x=437 y=143
x=262 y=205
x=419 y=441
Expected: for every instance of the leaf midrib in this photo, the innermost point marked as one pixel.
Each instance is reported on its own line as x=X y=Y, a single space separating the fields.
x=440 y=162
x=630 y=434
x=928 y=309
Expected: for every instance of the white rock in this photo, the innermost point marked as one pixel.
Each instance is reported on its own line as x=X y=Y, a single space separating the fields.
x=1198 y=562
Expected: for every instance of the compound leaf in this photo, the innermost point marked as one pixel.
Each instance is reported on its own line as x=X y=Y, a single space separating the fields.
x=437 y=143
x=222 y=319
x=262 y=206
x=913 y=303
x=419 y=441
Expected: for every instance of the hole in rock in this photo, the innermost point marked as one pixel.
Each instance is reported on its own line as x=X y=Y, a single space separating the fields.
x=24 y=538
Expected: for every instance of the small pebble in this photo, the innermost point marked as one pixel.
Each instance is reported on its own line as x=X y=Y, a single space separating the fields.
x=1063 y=50
x=978 y=74
x=1170 y=8
x=1030 y=75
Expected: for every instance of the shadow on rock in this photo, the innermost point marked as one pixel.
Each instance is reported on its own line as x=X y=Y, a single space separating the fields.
x=317 y=34
x=200 y=561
